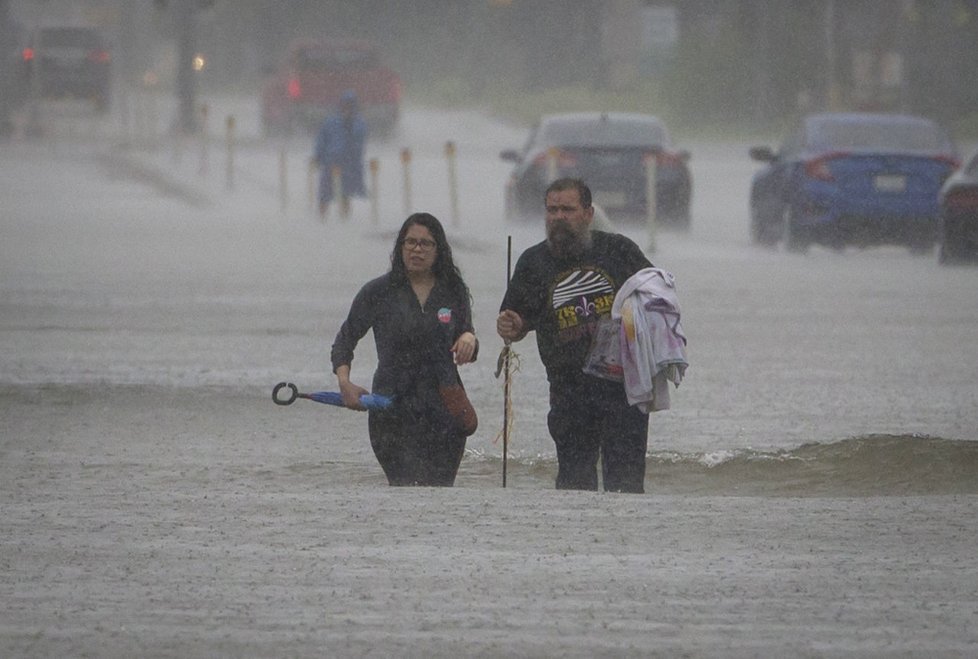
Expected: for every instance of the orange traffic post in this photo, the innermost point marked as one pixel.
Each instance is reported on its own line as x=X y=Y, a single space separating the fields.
x=374 y=191
x=452 y=181
x=406 y=163
x=552 y=164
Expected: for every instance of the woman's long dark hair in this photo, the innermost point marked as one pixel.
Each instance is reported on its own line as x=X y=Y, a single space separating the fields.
x=444 y=267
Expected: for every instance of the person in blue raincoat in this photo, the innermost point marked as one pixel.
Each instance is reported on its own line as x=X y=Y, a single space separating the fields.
x=340 y=142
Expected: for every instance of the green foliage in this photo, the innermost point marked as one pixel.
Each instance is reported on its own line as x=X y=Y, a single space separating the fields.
x=525 y=107
x=741 y=66
x=710 y=85
x=506 y=100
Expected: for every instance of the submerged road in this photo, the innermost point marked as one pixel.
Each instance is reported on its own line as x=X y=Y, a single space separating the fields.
x=157 y=503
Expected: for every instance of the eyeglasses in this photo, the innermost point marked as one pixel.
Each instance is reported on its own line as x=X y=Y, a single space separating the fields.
x=423 y=244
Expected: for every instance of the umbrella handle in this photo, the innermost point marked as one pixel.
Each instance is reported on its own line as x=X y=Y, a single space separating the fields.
x=285 y=401
x=369 y=401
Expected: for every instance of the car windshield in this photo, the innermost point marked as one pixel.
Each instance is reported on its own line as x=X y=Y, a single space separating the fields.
x=893 y=135
x=69 y=38
x=602 y=132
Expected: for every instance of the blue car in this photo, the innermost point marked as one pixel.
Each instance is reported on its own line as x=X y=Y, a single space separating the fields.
x=852 y=179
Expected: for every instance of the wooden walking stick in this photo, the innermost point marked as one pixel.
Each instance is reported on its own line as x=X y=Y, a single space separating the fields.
x=505 y=363
x=506 y=360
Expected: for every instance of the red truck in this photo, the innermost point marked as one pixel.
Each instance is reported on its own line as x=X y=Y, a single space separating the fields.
x=308 y=84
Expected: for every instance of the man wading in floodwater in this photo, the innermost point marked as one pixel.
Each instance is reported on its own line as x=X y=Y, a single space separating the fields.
x=560 y=288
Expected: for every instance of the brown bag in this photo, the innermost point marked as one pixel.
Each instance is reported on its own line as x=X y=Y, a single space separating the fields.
x=457 y=403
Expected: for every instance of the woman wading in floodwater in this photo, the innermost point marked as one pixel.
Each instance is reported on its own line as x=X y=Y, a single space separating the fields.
x=421 y=315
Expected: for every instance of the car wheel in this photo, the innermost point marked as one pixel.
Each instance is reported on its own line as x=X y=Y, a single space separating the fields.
x=763 y=234
x=949 y=251
x=763 y=231
x=796 y=238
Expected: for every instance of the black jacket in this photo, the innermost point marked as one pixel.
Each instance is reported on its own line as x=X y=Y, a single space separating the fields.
x=413 y=342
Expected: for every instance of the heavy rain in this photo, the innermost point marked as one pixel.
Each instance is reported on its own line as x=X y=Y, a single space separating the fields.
x=163 y=265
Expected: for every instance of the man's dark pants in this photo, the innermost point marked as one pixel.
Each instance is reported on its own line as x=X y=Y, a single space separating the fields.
x=591 y=417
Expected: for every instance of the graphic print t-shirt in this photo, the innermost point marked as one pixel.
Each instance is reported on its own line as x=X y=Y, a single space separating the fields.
x=562 y=300
x=579 y=297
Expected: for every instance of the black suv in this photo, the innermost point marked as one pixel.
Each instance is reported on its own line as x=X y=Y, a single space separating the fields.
x=69 y=62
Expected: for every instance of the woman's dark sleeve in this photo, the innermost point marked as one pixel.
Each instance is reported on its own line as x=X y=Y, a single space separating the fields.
x=466 y=324
x=358 y=321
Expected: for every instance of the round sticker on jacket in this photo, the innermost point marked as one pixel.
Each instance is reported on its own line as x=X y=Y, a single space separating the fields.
x=445 y=315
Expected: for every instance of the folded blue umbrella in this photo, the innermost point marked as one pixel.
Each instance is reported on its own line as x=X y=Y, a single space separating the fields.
x=369 y=401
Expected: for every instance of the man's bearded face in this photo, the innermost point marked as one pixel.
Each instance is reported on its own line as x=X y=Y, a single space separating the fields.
x=568 y=223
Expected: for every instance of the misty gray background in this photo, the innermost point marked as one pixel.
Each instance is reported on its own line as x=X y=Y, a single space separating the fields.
x=812 y=491
x=718 y=64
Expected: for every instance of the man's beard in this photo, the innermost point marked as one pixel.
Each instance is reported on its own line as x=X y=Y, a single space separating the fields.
x=564 y=243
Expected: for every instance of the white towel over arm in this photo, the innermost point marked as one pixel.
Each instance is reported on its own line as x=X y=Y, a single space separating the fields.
x=653 y=343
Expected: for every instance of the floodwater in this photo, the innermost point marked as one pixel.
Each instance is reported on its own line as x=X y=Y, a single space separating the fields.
x=811 y=492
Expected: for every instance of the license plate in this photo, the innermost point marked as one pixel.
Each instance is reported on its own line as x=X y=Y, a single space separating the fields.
x=609 y=199
x=890 y=183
